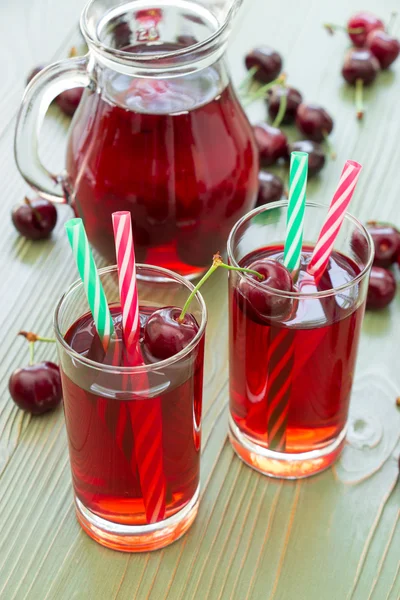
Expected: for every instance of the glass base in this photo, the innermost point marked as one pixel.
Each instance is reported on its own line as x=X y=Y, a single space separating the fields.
x=127 y=538
x=282 y=464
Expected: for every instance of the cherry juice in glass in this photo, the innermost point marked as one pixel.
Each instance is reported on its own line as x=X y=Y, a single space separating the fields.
x=134 y=433
x=291 y=370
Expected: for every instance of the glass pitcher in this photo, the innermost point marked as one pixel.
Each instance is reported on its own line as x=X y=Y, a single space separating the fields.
x=159 y=130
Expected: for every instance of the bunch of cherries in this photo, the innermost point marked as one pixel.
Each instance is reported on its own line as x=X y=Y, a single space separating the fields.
x=285 y=106
x=373 y=49
x=382 y=283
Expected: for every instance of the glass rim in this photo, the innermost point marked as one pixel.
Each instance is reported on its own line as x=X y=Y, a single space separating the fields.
x=146 y=60
x=301 y=295
x=131 y=369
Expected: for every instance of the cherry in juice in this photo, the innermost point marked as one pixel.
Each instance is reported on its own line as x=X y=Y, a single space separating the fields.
x=324 y=336
x=178 y=153
x=102 y=444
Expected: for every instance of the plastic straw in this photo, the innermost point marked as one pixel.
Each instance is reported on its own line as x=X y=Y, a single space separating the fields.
x=331 y=227
x=91 y=281
x=146 y=414
x=296 y=207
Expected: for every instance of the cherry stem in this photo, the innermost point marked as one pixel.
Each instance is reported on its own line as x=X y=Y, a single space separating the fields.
x=31 y=352
x=359 y=99
x=217 y=262
x=331 y=28
x=329 y=144
x=282 y=106
x=393 y=17
x=262 y=91
x=244 y=85
x=32 y=338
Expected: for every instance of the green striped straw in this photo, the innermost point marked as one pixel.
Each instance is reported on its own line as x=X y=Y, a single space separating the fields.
x=295 y=215
x=91 y=281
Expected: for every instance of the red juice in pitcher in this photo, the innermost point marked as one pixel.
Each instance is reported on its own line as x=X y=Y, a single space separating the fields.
x=177 y=152
x=314 y=368
x=104 y=439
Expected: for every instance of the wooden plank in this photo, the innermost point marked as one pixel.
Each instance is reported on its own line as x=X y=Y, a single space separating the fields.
x=254 y=538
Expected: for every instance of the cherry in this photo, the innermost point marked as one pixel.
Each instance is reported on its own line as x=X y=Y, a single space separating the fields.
x=364 y=22
x=268 y=63
x=316 y=154
x=384 y=47
x=293 y=99
x=272 y=143
x=36 y=388
x=122 y=35
x=314 y=121
x=35 y=219
x=33 y=73
x=165 y=334
x=262 y=301
x=360 y=63
x=386 y=240
x=270 y=188
x=381 y=289
x=69 y=100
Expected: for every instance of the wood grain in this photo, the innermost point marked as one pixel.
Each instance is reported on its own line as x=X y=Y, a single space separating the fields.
x=332 y=537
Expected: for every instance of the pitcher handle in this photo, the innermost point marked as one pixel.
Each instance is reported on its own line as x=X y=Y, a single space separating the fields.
x=39 y=94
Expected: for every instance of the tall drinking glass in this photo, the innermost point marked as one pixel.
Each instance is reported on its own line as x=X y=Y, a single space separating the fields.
x=134 y=433
x=292 y=367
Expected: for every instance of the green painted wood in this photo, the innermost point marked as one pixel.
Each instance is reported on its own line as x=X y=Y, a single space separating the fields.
x=335 y=536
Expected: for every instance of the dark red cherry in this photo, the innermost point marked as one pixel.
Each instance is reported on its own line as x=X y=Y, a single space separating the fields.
x=33 y=73
x=69 y=100
x=263 y=302
x=268 y=63
x=316 y=154
x=293 y=99
x=35 y=219
x=386 y=242
x=314 y=121
x=37 y=388
x=270 y=188
x=384 y=47
x=360 y=63
x=381 y=288
x=365 y=22
x=122 y=35
x=165 y=335
x=272 y=143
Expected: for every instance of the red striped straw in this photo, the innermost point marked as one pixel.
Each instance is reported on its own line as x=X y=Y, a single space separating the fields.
x=280 y=361
x=145 y=414
x=337 y=210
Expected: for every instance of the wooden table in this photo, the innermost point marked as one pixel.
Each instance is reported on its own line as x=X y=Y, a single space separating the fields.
x=332 y=537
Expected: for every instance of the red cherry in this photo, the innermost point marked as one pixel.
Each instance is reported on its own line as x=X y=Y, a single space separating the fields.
x=260 y=302
x=33 y=73
x=69 y=100
x=314 y=122
x=381 y=288
x=35 y=219
x=270 y=188
x=272 y=143
x=268 y=63
x=360 y=63
x=386 y=240
x=384 y=47
x=165 y=335
x=36 y=388
x=293 y=99
x=365 y=22
x=316 y=154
